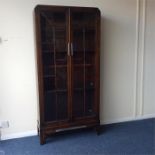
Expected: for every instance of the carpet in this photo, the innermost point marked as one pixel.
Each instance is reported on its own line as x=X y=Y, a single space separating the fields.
x=129 y=138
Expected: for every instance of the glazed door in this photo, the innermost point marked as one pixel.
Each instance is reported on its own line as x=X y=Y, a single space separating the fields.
x=54 y=49
x=83 y=54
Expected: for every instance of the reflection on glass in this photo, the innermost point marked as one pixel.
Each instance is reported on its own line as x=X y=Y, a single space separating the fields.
x=54 y=49
x=83 y=36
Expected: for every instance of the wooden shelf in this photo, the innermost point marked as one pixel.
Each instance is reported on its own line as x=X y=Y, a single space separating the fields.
x=52 y=52
x=84 y=89
x=47 y=42
x=57 y=66
x=79 y=26
x=57 y=27
x=86 y=51
x=49 y=76
x=56 y=91
x=82 y=65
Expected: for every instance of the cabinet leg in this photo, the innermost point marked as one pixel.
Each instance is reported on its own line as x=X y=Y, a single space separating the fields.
x=98 y=129
x=42 y=138
x=38 y=131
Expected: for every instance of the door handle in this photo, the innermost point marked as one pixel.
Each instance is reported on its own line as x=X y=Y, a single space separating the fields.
x=68 y=52
x=72 y=52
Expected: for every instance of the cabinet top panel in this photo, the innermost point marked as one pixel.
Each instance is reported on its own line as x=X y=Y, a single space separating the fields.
x=49 y=7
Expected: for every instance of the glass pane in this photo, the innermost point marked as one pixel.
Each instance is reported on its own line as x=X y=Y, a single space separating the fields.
x=83 y=73
x=89 y=102
x=78 y=78
x=54 y=58
x=48 y=59
x=89 y=89
x=89 y=70
x=59 y=18
x=50 y=103
x=62 y=105
x=78 y=91
x=49 y=72
x=89 y=39
x=61 y=74
x=78 y=103
x=78 y=46
x=78 y=71
x=60 y=46
x=83 y=19
x=89 y=77
x=49 y=83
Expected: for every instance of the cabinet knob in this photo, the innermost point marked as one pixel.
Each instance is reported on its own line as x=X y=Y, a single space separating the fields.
x=91 y=84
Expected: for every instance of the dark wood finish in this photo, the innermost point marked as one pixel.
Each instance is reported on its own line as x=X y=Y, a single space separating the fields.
x=68 y=47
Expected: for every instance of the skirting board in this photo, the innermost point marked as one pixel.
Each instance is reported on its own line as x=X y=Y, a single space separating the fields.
x=34 y=132
x=19 y=135
x=127 y=119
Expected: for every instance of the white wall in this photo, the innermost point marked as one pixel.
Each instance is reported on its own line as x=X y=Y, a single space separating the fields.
x=127 y=66
x=149 y=59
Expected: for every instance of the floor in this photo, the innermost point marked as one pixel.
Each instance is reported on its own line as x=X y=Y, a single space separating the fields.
x=130 y=138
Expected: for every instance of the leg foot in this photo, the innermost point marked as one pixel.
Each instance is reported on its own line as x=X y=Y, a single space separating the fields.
x=98 y=129
x=38 y=131
x=42 y=138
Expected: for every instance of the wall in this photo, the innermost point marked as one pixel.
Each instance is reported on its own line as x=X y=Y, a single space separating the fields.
x=127 y=60
x=149 y=57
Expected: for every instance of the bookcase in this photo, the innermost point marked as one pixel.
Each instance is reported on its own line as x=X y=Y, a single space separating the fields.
x=68 y=49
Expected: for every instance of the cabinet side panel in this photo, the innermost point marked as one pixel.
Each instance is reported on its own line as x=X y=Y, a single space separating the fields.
x=39 y=64
x=97 y=61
